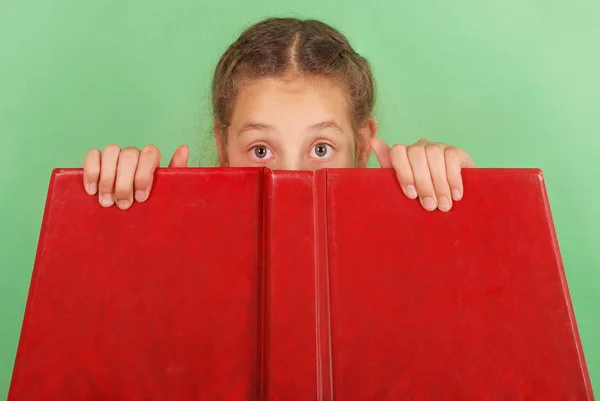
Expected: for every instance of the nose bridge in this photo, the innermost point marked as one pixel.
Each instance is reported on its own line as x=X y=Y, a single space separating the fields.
x=289 y=165
x=291 y=160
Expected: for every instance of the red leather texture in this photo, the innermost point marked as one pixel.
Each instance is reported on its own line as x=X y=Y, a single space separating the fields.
x=470 y=304
x=256 y=284
x=159 y=302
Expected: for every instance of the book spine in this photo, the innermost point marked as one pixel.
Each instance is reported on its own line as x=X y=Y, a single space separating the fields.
x=322 y=289
x=295 y=349
x=264 y=279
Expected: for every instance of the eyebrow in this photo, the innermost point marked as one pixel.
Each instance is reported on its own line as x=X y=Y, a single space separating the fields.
x=252 y=126
x=325 y=125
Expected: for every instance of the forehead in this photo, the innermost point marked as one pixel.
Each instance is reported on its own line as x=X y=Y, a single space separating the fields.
x=291 y=100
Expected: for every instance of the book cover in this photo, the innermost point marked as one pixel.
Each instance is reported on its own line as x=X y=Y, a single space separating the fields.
x=259 y=284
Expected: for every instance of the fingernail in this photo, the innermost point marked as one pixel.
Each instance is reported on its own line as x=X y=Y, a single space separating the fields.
x=456 y=194
x=92 y=188
x=429 y=204
x=443 y=204
x=411 y=191
x=106 y=200
x=140 y=195
x=123 y=204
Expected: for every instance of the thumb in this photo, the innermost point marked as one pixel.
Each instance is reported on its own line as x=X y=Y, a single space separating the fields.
x=382 y=152
x=180 y=157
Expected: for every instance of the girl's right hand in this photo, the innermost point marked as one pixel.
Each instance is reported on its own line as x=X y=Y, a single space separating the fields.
x=122 y=175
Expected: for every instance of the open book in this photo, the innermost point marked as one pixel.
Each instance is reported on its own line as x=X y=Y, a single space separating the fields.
x=252 y=284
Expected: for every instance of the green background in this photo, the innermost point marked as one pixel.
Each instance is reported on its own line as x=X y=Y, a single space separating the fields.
x=514 y=82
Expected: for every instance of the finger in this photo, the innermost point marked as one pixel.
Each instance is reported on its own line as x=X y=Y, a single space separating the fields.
x=180 y=157
x=399 y=159
x=437 y=170
x=382 y=152
x=91 y=171
x=108 y=171
x=126 y=167
x=422 y=177
x=456 y=159
x=144 y=176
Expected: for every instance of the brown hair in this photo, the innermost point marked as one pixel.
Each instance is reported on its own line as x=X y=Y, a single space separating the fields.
x=279 y=46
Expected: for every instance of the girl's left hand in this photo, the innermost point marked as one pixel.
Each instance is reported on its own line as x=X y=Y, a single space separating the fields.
x=428 y=170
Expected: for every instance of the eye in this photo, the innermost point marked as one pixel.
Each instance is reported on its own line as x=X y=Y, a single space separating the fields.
x=321 y=150
x=260 y=152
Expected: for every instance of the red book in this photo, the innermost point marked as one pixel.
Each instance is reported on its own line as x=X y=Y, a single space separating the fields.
x=257 y=284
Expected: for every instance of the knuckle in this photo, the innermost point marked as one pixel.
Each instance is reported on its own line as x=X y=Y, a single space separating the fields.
x=105 y=187
x=397 y=150
x=112 y=148
x=92 y=152
x=434 y=149
x=415 y=151
x=426 y=192
x=92 y=171
x=434 y=145
x=151 y=152
x=150 y=149
x=106 y=180
x=123 y=191
x=130 y=153
x=398 y=147
x=142 y=179
x=130 y=148
x=452 y=152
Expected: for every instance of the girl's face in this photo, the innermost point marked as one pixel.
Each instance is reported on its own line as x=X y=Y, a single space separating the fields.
x=294 y=124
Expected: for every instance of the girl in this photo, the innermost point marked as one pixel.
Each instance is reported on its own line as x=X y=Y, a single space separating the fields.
x=290 y=94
